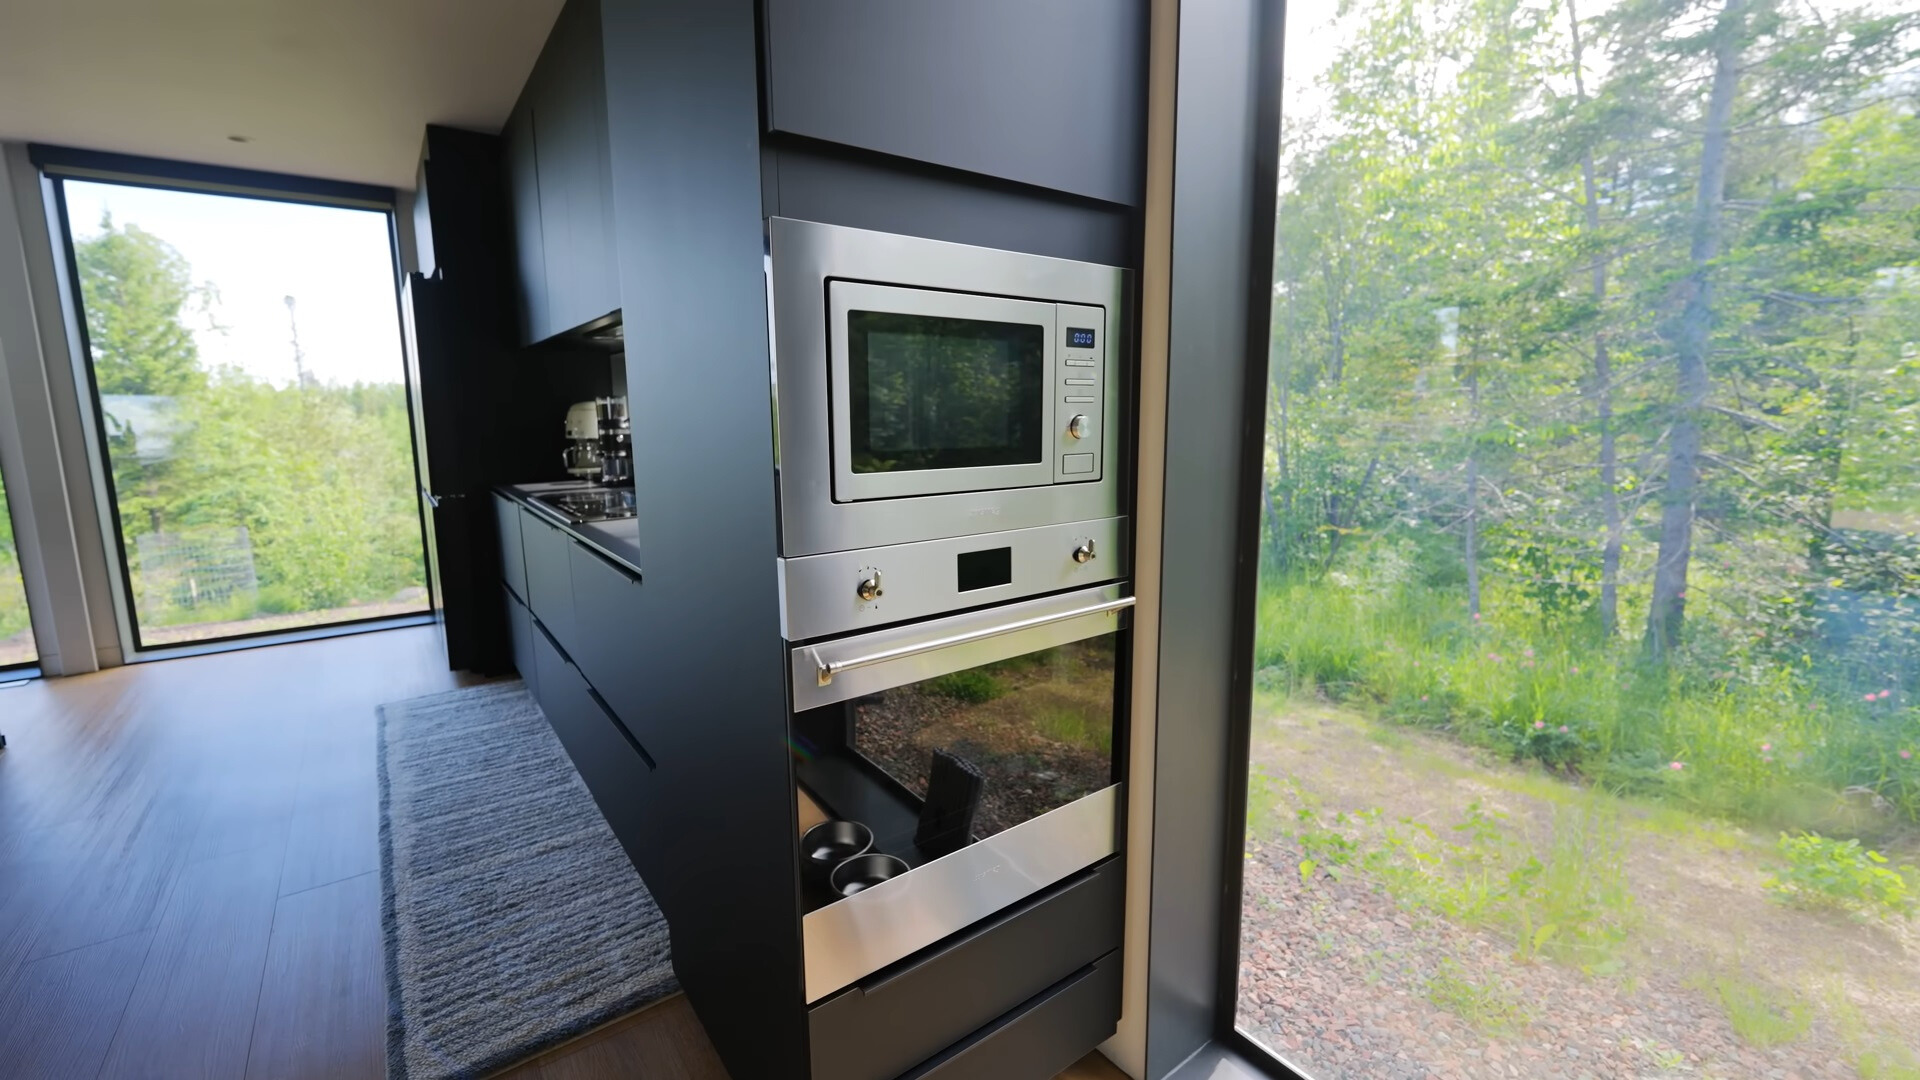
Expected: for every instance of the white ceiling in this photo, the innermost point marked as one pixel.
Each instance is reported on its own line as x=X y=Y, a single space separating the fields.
x=330 y=88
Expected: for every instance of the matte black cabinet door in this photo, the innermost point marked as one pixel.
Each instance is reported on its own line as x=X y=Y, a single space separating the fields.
x=520 y=633
x=606 y=602
x=614 y=765
x=575 y=175
x=1046 y=92
x=513 y=560
x=549 y=577
x=529 y=242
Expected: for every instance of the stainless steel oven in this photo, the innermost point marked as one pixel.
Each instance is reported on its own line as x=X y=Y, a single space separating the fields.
x=978 y=749
x=929 y=390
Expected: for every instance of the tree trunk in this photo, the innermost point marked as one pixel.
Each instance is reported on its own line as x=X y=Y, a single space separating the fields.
x=1666 y=615
x=1614 y=537
x=1473 y=500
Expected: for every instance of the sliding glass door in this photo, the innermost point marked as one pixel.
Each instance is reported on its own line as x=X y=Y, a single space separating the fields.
x=247 y=374
x=1587 y=675
x=16 y=635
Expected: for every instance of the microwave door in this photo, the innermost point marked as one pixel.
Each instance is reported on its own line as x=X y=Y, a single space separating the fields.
x=940 y=392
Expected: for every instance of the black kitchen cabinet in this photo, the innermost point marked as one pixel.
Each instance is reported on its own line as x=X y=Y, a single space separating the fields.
x=605 y=606
x=520 y=632
x=562 y=181
x=549 y=577
x=530 y=253
x=513 y=560
x=1050 y=93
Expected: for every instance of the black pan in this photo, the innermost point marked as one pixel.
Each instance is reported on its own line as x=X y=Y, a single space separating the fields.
x=831 y=843
x=864 y=872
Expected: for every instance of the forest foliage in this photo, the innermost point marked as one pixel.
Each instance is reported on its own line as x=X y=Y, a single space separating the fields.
x=319 y=476
x=1595 y=375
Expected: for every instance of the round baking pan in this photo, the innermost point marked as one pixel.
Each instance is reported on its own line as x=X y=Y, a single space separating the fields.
x=864 y=872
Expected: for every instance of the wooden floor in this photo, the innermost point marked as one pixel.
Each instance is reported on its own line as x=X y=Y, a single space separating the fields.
x=189 y=875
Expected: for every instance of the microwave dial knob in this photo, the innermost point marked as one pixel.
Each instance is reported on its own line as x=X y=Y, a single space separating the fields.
x=1084 y=552
x=1077 y=427
x=869 y=587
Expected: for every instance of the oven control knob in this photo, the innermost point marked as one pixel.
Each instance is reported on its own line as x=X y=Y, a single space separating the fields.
x=1084 y=552
x=869 y=587
x=1077 y=427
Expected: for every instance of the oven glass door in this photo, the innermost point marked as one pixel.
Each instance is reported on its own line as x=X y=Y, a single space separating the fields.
x=977 y=749
x=937 y=392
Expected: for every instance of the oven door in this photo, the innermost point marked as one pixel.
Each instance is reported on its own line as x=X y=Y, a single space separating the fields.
x=938 y=392
x=1019 y=705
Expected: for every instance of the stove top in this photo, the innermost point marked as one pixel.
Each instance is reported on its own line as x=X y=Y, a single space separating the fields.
x=584 y=505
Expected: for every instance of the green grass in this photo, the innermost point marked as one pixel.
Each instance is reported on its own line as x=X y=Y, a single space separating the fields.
x=1771 y=746
x=973 y=686
x=1490 y=1008
x=1759 y=1015
x=1075 y=728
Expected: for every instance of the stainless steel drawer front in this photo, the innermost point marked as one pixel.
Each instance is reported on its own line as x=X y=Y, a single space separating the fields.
x=856 y=936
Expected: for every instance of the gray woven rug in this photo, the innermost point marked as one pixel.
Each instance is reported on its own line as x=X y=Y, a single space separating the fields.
x=514 y=921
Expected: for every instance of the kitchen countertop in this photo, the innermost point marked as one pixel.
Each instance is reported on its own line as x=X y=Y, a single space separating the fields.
x=617 y=540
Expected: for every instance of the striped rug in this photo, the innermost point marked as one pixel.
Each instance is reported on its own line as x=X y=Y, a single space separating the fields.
x=513 y=919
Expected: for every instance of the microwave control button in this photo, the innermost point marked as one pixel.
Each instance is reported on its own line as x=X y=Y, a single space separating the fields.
x=1077 y=427
x=1076 y=463
x=869 y=587
x=1078 y=399
x=1084 y=552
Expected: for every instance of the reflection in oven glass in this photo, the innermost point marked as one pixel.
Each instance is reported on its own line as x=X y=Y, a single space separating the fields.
x=1038 y=728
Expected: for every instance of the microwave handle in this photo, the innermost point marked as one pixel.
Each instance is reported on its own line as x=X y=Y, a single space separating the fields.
x=829 y=668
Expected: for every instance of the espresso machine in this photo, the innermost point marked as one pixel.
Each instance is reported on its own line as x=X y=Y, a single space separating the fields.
x=582 y=453
x=615 y=440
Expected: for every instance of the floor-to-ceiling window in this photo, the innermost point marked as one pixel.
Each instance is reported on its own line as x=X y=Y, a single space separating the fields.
x=1586 y=733
x=246 y=363
x=16 y=636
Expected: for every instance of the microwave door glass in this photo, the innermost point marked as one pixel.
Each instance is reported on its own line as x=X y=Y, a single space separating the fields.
x=929 y=393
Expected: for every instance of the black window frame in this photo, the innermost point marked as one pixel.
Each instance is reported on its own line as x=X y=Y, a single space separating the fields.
x=59 y=164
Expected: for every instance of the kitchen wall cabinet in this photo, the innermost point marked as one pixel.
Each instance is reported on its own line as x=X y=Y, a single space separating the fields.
x=1050 y=93
x=561 y=180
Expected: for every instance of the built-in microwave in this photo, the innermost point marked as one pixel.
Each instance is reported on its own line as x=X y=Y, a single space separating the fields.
x=927 y=390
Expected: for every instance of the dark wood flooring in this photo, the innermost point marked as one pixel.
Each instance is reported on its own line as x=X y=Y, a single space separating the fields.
x=189 y=876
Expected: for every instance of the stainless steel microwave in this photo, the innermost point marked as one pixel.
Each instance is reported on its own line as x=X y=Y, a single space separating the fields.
x=927 y=390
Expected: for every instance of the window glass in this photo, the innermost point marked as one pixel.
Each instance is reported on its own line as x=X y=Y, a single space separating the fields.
x=1587 y=694
x=246 y=358
x=16 y=636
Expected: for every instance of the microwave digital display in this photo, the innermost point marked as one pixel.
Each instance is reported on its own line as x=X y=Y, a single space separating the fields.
x=1078 y=338
x=928 y=392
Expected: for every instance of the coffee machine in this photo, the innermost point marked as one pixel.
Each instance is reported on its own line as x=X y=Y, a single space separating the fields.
x=615 y=441
x=582 y=453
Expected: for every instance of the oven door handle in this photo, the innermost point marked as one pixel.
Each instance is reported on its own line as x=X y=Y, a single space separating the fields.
x=829 y=668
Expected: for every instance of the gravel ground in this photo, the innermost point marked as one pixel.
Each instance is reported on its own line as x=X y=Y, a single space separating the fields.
x=1336 y=978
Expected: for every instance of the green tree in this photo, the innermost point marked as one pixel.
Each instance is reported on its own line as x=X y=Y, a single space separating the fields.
x=139 y=292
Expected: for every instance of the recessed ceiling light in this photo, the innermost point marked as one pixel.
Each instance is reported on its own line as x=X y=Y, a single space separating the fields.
x=239 y=138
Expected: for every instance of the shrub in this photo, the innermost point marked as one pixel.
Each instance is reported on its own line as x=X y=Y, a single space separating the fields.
x=972 y=686
x=1824 y=873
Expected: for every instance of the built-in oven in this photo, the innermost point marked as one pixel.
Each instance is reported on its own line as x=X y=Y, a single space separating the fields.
x=927 y=390
x=976 y=756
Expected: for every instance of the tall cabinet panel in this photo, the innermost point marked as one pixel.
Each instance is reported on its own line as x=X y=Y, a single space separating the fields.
x=523 y=183
x=562 y=180
x=1043 y=92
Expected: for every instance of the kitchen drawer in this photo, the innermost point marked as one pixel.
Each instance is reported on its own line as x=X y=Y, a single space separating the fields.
x=606 y=602
x=1042 y=1036
x=549 y=592
x=614 y=765
x=520 y=635
x=513 y=559
x=902 y=1015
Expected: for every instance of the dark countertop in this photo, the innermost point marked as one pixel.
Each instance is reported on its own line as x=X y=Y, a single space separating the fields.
x=618 y=541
